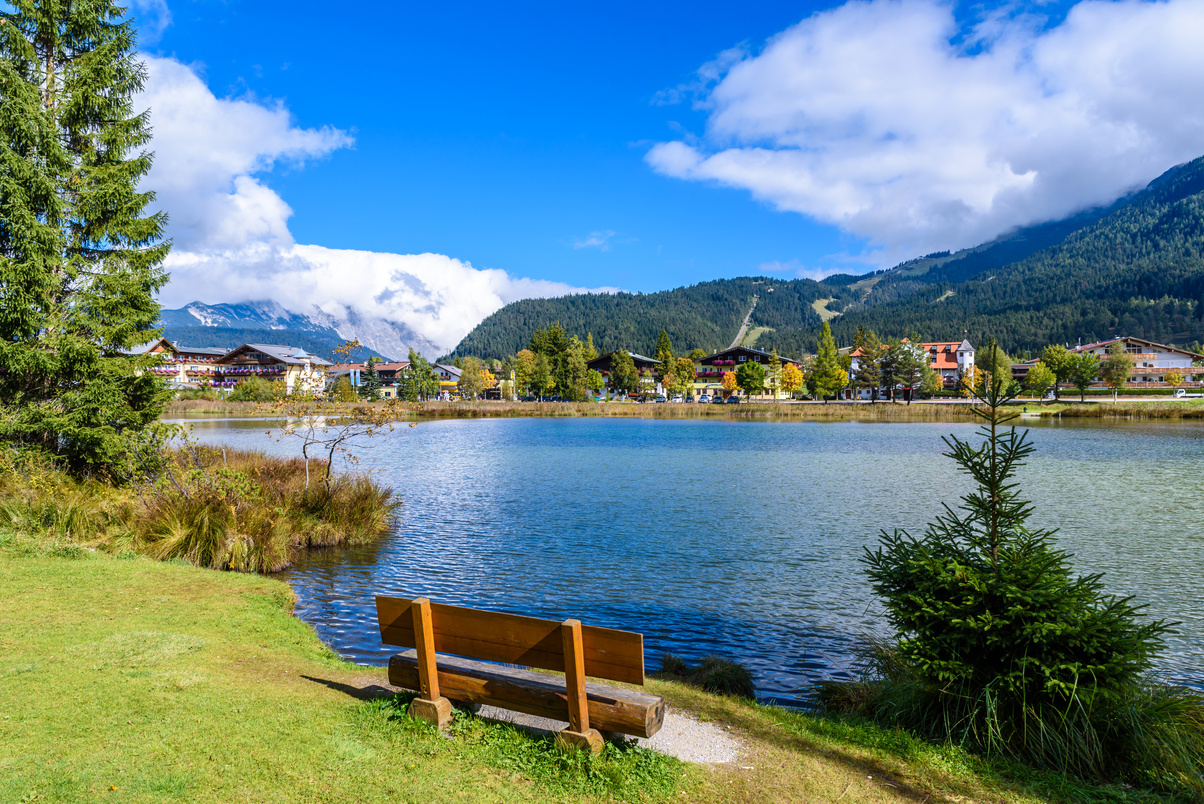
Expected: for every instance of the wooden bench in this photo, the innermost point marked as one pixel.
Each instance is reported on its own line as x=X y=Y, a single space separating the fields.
x=435 y=630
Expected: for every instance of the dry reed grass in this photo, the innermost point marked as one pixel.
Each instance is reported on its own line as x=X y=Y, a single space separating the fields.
x=218 y=508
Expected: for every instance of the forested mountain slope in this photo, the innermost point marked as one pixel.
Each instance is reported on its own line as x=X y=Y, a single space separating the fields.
x=1138 y=271
x=703 y=316
x=1133 y=268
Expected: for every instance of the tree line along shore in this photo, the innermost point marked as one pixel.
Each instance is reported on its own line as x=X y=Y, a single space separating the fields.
x=1187 y=409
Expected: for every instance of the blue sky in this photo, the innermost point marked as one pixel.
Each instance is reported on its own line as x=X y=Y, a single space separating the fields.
x=638 y=146
x=503 y=133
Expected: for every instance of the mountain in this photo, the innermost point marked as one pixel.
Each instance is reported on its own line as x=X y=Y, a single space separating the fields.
x=199 y=324
x=703 y=316
x=1135 y=268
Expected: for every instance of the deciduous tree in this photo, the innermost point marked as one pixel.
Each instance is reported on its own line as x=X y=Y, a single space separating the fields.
x=1116 y=367
x=1084 y=370
x=729 y=382
x=1040 y=378
x=792 y=378
x=1057 y=359
x=623 y=376
x=751 y=377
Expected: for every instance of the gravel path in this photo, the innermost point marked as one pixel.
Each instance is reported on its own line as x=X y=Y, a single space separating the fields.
x=681 y=736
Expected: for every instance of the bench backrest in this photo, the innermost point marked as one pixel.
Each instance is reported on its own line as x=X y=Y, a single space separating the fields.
x=514 y=639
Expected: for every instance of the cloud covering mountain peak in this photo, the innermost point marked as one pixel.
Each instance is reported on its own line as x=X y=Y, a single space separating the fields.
x=904 y=125
x=232 y=241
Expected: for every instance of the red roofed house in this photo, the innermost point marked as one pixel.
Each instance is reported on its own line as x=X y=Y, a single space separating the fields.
x=947 y=358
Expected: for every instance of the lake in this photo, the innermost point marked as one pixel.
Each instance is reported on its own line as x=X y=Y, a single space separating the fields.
x=736 y=538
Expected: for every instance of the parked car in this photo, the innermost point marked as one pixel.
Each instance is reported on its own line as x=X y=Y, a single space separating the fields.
x=690 y=399
x=718 y=400
x=734 y=400
x=704 y=399
x=530 y=399
x=676 y=398
x=661 y=398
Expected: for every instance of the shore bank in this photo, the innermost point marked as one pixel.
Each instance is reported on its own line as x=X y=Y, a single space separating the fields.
x=145 y=681
x=920 y=411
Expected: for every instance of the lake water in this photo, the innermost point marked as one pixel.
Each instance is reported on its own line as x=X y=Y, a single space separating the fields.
x=736 y=538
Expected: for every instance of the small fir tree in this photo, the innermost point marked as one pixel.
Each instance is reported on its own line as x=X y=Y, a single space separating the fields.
x=370 y=383
x=1000 y=646
x=868 y=373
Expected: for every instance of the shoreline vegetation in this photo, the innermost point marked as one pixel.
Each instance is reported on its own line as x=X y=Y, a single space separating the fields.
x=184 y=680
x=220 y=508
x=755 y=411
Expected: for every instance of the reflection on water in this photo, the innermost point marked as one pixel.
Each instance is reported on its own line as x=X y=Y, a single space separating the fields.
x=737 y=538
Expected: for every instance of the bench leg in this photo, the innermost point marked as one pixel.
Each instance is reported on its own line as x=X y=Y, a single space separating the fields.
x=569 y=740
x=430 y=705
x=438 y=711
x=578 y=734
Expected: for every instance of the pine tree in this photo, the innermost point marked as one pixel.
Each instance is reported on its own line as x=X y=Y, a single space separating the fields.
x=773 y=377
x=869 y=364
x=664 y=353
x=370 y=383
x=1002 y=648
x=827 y=375
x=79 y=258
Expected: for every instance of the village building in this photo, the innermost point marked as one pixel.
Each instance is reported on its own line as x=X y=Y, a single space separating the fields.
x=603 y=364
x=948 y=359
x=449 y=379
x=299 y=370
x=1152 y=362
x=712 y=368
x=388 y=372
x=184 y=366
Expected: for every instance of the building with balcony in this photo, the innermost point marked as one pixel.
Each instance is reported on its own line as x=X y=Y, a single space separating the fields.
x=949 y=359
x=712 y=367
x=1152 y=362
x=300 y=371
x=184 y=366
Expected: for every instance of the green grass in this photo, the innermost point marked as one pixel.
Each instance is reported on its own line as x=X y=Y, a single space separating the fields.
x=820 y=306
x=132 y=680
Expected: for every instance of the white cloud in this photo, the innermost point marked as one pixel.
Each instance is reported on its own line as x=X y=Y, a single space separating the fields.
x=798 y=269
x=867 y=117
x=231 y=235
x=599 y=240
x=436 y=296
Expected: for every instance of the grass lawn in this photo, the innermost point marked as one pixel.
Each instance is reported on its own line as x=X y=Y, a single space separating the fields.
x=131 y=680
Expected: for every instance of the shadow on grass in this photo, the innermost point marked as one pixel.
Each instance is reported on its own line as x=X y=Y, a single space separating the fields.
x=371 y=692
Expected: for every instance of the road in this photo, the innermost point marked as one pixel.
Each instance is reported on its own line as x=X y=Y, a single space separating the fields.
x=744 y=326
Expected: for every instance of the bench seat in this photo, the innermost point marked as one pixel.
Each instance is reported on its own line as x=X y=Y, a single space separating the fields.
x=467 y=681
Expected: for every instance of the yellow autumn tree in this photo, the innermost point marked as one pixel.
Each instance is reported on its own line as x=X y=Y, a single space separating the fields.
x=971 y=378
x=791 y=379
x=729 y=381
